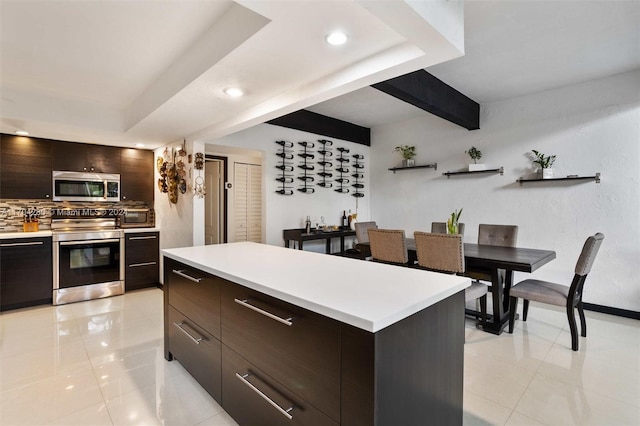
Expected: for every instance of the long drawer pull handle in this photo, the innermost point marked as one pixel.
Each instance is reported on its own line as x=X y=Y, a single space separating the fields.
x=284 y=412
x=135 y=265
x=83 y=242
x=189 y=277
x=195 y=340
x=151 y=237
x=244 y=302
x=33 y=243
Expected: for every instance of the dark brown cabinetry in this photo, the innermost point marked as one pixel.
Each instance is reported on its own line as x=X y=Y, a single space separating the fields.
x=26 y=272
x=82 y=157
x=136 y=175
x=192 y=323
x=25 y=167
x=281 y=364
x=142 y=260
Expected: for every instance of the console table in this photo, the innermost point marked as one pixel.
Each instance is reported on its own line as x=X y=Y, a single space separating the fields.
x=300 y=235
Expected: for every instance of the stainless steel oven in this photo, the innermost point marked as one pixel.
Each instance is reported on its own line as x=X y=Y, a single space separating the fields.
x=137 y=218
x=88 y=259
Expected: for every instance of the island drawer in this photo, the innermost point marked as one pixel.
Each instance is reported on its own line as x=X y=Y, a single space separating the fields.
x=252 y=397
x=197 y=351
x=194 y=293
x=296 y=347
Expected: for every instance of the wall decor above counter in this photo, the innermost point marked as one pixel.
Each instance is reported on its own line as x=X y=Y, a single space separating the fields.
x=328 y=166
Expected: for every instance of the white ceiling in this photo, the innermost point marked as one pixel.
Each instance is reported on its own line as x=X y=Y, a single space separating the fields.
x=518 y=47
x=119 y=72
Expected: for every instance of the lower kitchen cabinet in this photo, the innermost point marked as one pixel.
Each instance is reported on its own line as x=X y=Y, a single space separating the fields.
x=196 y=350
x=252 y=397
x=26 y=272
x=142 y=260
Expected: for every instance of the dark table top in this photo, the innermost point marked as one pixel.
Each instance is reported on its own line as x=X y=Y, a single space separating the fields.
x=301 y=234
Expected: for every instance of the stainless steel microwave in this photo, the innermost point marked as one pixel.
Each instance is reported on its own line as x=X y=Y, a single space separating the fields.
x=77 y=186
x=137 y=218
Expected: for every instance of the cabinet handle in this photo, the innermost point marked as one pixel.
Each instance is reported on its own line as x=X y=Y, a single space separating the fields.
x=243 y=379
x=189 y=335
x=33 y=243
x=135 y=265
x=189 y=277
x=287 y=321
x=83 y=242
x=152 y=237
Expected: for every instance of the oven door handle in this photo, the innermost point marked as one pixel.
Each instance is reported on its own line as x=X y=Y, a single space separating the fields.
x=75 y=243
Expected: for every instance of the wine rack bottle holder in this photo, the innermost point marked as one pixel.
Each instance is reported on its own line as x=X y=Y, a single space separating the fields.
x=286 y=167
x=358 y=175
x=307 y=167
x=342 y=163
x=324 y=162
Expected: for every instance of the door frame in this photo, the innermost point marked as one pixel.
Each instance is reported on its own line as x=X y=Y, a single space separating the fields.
x=225 y=162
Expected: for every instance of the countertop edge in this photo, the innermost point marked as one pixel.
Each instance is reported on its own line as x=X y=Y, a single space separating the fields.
x=345 y=317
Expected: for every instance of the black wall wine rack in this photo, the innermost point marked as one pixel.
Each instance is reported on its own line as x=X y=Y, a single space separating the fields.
x=342 y=163
x=306 y=177
x=284 y=153
x=325 y=155
x=358 y=175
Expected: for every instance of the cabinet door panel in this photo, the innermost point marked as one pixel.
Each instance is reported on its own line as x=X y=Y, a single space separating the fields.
x=103 y=159
x=195 y=294
x=26 y=272
x=142 y=260
x=197 y=351
x=25 y=167
x=304 y=356
x=247 y=407
x=137 y=177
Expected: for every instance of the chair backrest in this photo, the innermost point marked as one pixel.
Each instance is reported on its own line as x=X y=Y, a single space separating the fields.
x=441 y=228
x=362 y=229
x=498 y=235
x=588 y=255
x=388 y=245
x=440 y=252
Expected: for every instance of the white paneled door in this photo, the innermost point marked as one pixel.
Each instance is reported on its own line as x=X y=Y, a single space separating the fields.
x=247 y=202
x=214 y=204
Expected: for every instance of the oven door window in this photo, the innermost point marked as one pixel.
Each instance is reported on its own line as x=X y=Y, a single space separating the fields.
x=82 y=263
x=77 y=188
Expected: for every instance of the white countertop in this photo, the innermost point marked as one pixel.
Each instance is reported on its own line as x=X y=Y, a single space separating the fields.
x=10 y=235
x=367 y=295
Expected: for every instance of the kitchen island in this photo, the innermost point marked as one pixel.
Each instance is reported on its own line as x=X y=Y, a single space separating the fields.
x=283 y=336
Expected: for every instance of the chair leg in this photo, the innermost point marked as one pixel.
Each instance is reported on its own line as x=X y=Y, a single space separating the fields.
x=512 y=312
x=583 y=320
x=483 y=310
x=573 y=327
x=525 y=310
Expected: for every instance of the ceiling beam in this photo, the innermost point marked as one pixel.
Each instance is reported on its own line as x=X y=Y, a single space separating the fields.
x=323 y=125
x=425 y=91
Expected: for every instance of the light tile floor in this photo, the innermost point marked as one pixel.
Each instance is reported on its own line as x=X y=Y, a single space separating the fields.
x=101 y=363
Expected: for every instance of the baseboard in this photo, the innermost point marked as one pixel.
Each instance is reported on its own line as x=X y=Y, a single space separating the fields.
x=611 y=311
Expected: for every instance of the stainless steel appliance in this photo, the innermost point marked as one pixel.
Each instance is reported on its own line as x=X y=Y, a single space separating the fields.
x=137 y=218
x=76 y=186
x=88 y=255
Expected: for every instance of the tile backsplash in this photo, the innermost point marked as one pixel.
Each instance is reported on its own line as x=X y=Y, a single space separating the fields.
x=12 y=211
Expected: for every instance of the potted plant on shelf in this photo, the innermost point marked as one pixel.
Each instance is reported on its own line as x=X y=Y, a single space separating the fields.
x=452 y=222
x=407 y=152
x=545 y=162
x=475 y=155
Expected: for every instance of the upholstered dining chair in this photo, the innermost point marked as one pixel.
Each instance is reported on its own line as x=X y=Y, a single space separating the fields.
x=388 y=246
x=362 y=236
x=558 y=294
x=495 y=235
x=441 y=228
x=445 y=253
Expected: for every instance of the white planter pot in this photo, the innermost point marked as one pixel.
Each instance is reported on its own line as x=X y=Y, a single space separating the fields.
x=477 y=167
x=547 y=173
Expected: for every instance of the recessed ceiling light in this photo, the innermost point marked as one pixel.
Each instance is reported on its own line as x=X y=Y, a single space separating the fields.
x=336 y=38
x=139 y=145
x=234 y=92
x=22 y=133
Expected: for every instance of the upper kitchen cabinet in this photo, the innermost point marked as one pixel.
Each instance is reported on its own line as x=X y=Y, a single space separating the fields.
x=136 y=178
x=25 y=167
x=81 y=157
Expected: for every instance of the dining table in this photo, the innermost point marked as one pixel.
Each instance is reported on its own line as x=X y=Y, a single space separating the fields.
x=490 y=260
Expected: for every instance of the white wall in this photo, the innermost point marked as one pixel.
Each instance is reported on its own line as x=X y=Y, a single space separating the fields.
x=591 y=127
x=284 y=212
